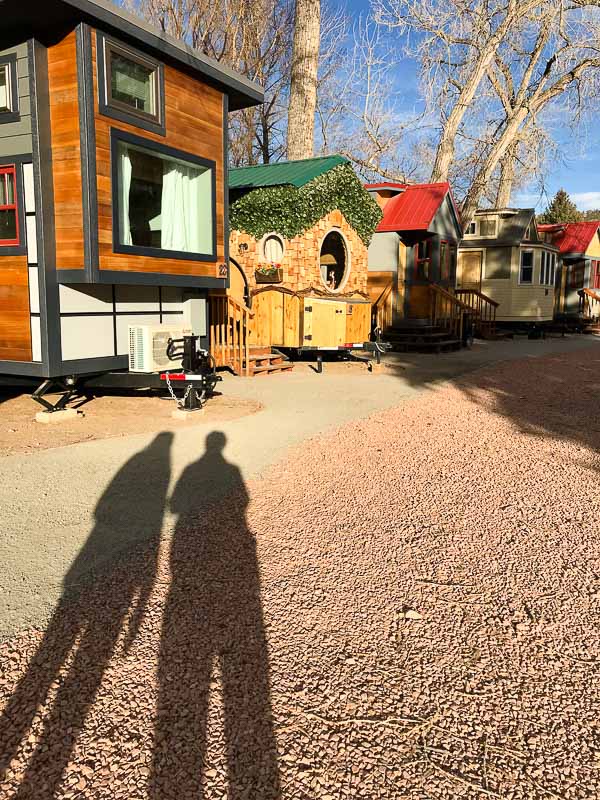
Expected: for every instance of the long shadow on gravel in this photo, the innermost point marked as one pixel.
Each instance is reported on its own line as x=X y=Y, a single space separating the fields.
x=81 y=637
x=213 y=635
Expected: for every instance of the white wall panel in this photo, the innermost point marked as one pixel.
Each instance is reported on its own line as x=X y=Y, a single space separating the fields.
x=172 y=298
x=86 y=337
x=34 y=291
x=125 y=320
x=36 y=339
x=137 y=298
x=29 y=188
x=85 y=299
x=32 y=253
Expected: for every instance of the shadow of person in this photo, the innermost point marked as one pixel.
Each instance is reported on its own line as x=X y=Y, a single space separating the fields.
x=88 y=621
x=213 y=621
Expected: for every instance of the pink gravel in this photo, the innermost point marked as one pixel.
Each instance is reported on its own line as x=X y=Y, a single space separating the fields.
x=407 y=608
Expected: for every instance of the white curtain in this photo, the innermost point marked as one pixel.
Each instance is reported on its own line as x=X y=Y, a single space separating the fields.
x=182 y=210
x=124 y=199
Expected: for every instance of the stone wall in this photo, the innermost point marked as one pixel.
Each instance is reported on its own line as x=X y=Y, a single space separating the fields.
x=301 y=260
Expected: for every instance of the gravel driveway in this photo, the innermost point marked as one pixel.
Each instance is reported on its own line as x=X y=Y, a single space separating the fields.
x=407 y=607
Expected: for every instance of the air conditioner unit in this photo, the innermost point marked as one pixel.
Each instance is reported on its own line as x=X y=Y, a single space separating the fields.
x=148 y=347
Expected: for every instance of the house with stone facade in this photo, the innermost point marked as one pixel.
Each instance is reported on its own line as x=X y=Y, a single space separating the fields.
x=299 y=237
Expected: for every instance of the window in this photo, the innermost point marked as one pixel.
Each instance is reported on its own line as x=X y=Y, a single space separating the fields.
x=447 y=261
x=9 y=89
x=131 y=86
x=471 y=229
x=423 y=260
x=577 y=275
x=548 y=268
x=487 y=227
x=595 y=275
x=333 y=260
x=526 y=270
x=163 y=200
x=9 y=218
x=273 y=248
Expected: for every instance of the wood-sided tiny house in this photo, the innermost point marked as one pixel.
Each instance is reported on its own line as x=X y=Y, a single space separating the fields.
x=113 y=184
x=299 y=237
x=578 y=280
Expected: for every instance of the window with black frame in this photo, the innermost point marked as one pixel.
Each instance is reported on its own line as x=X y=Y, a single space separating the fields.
x=9 y=90
x=165 y=202
x=526 y=268
x=423 y=260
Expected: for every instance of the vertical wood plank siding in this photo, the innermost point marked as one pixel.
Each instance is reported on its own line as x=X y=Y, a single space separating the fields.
x=15 y=329
x=194 y=124
x=66 y=153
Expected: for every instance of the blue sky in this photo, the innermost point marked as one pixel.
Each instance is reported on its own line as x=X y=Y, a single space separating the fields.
x=577 y=171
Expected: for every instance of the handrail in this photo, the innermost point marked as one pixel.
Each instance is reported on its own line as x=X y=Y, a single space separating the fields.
x=590 y=293
x=448 y=311
x=433 y=287
x=229 y=333
x=383 y=308
x=479 y=294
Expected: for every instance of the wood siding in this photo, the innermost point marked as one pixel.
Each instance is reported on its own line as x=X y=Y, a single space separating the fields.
x=15 y=328
x=66 y=153
x=194 y=124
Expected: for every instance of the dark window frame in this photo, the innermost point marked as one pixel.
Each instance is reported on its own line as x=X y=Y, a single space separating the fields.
x=426 y=275
x=153 y=123
x=11 y=169
x=595 y=274
x=530 y=252
x=14 y=114
x=577 y=275
x=117 y=136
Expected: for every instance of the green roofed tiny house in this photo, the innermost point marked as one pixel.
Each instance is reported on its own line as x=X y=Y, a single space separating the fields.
x=299 y=241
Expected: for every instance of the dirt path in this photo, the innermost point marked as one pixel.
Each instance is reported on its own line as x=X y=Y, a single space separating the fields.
x=405 y=608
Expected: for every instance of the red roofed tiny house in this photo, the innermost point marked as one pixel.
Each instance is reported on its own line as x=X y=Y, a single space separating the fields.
x=412 y=260
x=579 y=252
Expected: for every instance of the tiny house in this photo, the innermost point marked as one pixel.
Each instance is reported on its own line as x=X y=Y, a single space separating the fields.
x=415 y=245
x=113 y=184
x=578 y=283
x=299 y=252
x=503 y=256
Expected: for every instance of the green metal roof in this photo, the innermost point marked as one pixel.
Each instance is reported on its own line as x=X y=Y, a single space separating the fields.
x=283 y=173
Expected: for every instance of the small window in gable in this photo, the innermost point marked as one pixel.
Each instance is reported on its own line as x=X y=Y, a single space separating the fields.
x=487 y=227
x=273 y=248
x=471 y=229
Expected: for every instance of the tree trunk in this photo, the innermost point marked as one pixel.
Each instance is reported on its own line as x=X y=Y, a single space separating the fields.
x=507 y=177
x=303 y=85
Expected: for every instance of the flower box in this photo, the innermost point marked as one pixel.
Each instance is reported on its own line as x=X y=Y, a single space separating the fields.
x=268 y=275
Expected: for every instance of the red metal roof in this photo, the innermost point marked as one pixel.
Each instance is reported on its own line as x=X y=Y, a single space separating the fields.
x=415 y=208
x=386 y=185
x=572 y=237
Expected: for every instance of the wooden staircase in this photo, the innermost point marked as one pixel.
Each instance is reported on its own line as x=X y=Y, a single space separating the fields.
x=230 y=333
x=589 y=310
x=483 y=309
x=422 y=338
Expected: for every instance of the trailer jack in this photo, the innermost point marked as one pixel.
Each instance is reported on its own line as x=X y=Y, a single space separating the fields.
x=66 y=387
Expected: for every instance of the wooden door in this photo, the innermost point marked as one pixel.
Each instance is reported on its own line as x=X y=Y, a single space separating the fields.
x=470 y=270
x=324 y=323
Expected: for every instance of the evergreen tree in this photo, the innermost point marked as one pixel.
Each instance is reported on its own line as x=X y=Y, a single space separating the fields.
x=561 y=209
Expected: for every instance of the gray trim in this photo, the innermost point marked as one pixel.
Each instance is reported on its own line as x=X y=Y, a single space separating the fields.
x=44 y=203
x=159 y=279
x=65 y=314
x=33 y=368
x=117 y=136
x=14 y=115
x=82 y=365
x=40 y=17
x=18 y=161
x=87 y=133
x=144 y=122
x=73 y=276
x=226 y=188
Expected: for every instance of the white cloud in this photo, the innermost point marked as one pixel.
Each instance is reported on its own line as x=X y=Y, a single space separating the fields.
x=586 y=200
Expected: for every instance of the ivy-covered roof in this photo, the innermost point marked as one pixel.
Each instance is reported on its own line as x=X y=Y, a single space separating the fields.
x=283 y=173
x=290 y=209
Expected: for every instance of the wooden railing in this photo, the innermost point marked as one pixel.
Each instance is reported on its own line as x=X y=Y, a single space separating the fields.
x=483 y=308
x=448 y=311
x=589 y=303
x=383 y=308
x=229 y=333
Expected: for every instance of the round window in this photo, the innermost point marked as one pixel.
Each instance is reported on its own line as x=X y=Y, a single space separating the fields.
x=333 y=260
x=273 y=248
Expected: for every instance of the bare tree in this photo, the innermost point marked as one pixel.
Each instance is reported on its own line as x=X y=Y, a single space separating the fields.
x=493 y=68
x=303 y=86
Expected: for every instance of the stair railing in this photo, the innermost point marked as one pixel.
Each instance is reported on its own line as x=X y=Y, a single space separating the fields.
x=589 y=303
x=229 y=333
x=447 y=311
x=482 y=306
x=383 y=308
